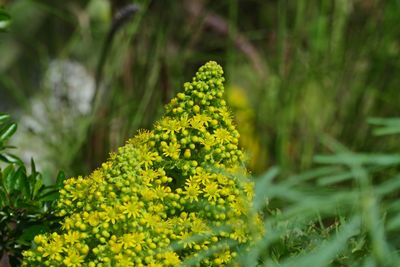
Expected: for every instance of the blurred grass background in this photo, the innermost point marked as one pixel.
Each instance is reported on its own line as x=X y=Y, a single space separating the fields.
x=300 y=75
x=296 y=70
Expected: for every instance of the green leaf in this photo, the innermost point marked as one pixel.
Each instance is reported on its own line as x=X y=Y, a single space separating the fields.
x=5 y=20
x=384 y=121
x=388 y=125
x=336 y=178
x=35 y=181
x=262 y=184
x=2 y=157
x=3 y=198
x=30 y=232
x=60 y=179
x=4 y=118
x=8 y=131
x=10 y=158
x=19 y=179
x=38 y=185
x=25 y=187
x=8 y=176
x=49 y=196
x=359 y=159
x=33 y=167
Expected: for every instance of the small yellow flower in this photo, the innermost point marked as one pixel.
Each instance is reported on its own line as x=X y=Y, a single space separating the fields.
x=192 y=192
x=151 y=220
x=186 y=238
x=132 y=209
x=199 y=121
x=170 y=126
x=209 y=140
x=149 y=176
x=141 y=137
x=184 y=121
x=111 y=214
x=161 y=191
x=211 y=191
x=93 y=218
x=172 y=150
x=73 y=259
x=72 y=237
x=54 y=249
x=132 y=239
x=147 y=157
x=115 y=247
x=171 y=258
x=222 y=135
x=148 y=194
x=125 y=261
x=199 y=226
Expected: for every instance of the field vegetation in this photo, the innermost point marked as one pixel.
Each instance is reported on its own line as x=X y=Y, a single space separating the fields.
x=313 y=87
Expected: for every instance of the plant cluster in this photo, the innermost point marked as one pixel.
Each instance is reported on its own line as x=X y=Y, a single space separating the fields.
x=25 y=202
x=178 y=194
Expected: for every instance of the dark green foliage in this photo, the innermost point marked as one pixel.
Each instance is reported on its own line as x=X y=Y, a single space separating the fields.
x=5 y=20
x=314 y=67
x=25 y=202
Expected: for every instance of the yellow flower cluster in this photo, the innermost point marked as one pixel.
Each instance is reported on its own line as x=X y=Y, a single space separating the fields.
x=167 y=197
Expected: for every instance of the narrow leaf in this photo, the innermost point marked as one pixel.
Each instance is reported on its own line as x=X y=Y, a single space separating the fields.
x=5 y=20
x=60 y=179
x=31 y=231
x=49 y=196
x=19 y=179
x=11 y=158
x=8 y=131
x=4 y=117
x=8 y=176
x=38 y=185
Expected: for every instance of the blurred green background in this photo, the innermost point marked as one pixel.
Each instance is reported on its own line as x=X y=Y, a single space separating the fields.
x=297 y=71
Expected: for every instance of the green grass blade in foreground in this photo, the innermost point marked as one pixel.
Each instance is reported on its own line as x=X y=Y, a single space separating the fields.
x=324 y=254
x=387 y=126
x=313 y=174
x=394 y=223
x=374 y=224
x=343 y=176
x=261 y=188
x=391 y=186
x=359 y=159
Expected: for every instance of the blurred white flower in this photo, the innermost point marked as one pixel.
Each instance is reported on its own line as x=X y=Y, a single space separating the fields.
x=56 y=115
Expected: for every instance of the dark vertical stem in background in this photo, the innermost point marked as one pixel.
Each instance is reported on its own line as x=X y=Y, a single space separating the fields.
x=232 y=25
x=120 y=19
x=96 y=135
x=165 y=86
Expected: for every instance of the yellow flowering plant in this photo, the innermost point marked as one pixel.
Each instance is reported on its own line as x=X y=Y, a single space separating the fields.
x=177 y=195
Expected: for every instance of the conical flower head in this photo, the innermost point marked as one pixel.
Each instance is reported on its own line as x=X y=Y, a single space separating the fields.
x=162 y=198
x=197 y=128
